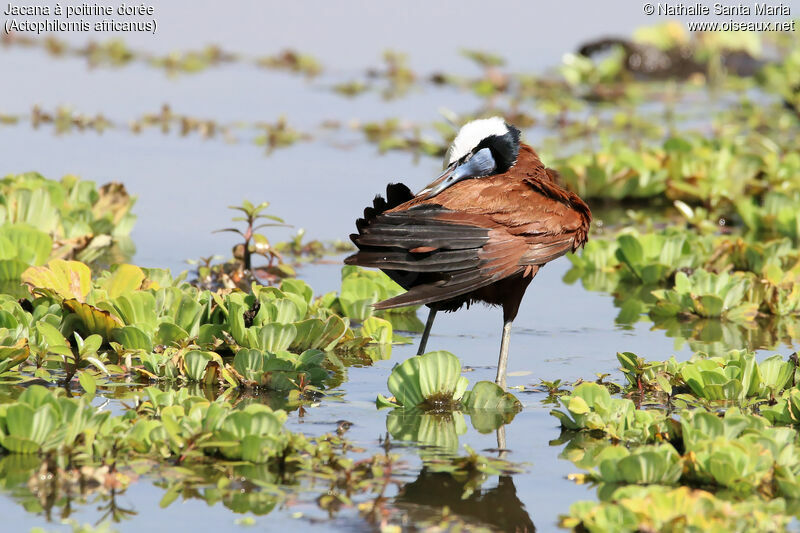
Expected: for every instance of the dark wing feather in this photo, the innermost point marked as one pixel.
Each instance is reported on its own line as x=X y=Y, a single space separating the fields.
x=451 y=286
x=460 y=252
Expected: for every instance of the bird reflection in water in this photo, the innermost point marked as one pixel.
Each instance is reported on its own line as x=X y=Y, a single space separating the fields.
x=498 y=507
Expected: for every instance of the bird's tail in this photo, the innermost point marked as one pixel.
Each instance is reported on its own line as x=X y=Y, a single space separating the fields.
x=396 y=194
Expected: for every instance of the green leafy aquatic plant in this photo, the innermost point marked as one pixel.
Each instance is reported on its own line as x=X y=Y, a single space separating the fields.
x=734 y=375
x=740 y=452
x=166 y=329
x=658 y=508
x=40 y=421
x=776 y=214
x=253 y=434
x=430 y=399
x=645 y=465
x=737 y=451
x=282 y=370
x=743 y=465
x=362 y=288
x=590 y=407
x=653 y=257
x=257 y=243
x=78 y=219
x=687 y=167
x=707 y=295
x=433 y=382
x=273 y=320
x=786 y=410
x=190 y=424
x=645 y=374
x=725 y=290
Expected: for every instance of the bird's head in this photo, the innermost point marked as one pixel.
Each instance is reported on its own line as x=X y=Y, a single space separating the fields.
x=482 y=148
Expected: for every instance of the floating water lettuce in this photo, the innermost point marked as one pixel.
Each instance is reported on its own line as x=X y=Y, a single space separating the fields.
x=731 y=376
x=433 y=382
x=69 y=219
x=430 y=400
x=362 y=288
x=590 y=407
x=176 y=331
x=643 y=465
x=653 y=257
x=41 y=421
x=707 y=295
x=657 y=508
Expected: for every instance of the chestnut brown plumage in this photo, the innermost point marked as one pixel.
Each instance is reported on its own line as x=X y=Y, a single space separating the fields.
x=478 y=240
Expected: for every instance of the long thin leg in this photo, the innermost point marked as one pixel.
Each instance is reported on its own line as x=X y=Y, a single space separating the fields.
x=501 y=442
x=428 y=326
x=502 y=363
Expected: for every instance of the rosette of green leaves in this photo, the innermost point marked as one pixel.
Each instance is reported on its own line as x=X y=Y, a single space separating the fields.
x=650 y=464
x=42 y=421
x=735 y=376
x=430 y=398
x=590 y=407
x=708 y=295
x=254 y=434
x=281 y=370
x=659 y=508
x=432 y=382
x=362 y=288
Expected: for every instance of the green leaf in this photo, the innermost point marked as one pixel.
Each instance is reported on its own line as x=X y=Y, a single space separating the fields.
x=316 y=333
x=124 y=279
x=169 y=334
x=433 y=377
x=196 y=362
x=33 y=246
x=132 y=338
x=88 y=383
x=377 y=329
x=631 y=253
x=489 y=395
x=67 y=279
x=275 y=337
x=137 y=309
x=55 y=341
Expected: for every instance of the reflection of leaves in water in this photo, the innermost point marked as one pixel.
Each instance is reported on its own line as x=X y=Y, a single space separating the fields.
x=499 y=507
x=43 y=488
x=442 y=430
x=716 y=336
x=636 y=302
x=242 y=488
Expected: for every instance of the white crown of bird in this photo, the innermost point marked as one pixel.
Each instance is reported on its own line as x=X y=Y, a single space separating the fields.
x=471 y=134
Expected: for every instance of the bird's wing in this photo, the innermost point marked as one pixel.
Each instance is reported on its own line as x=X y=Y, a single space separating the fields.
x=472 y=234
x=550 y=220
x=442 y=253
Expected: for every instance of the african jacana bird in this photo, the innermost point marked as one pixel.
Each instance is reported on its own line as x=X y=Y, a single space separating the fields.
x=477 y=233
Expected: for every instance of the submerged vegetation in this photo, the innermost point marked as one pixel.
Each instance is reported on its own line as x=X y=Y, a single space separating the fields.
x=693 y=173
